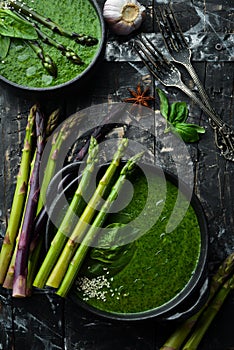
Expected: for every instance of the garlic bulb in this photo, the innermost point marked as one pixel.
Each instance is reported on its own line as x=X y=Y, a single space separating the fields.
x=123 y=16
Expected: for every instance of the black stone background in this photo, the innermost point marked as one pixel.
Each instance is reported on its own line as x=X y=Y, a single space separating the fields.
x=45 y=321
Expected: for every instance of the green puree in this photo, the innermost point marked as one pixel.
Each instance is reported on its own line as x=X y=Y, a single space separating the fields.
x=163 y=262
x=23 y=67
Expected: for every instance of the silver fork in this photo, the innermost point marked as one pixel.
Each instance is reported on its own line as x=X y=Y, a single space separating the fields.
x=177 y=46
x=169 y=75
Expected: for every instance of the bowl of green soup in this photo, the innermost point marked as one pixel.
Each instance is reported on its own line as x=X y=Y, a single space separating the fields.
x=151 y=260
x=49 y=45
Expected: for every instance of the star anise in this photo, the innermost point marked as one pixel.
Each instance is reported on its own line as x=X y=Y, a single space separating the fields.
x=139 y=97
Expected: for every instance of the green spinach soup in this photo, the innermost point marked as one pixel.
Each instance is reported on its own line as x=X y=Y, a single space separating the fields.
x=22 y=65
x=150 y=268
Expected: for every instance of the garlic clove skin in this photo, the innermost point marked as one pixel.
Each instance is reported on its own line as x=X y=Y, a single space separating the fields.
x=123 y=16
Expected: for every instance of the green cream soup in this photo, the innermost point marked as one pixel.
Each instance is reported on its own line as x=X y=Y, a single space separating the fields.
x=151 y=270
x=22 y=66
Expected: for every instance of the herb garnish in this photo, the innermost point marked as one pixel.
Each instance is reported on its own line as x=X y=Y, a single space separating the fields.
x=176 y=115
x=13 y=26
x=4 y=45
x=111 y=254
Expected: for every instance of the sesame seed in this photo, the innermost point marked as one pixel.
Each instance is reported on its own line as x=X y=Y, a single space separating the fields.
x=93 y=288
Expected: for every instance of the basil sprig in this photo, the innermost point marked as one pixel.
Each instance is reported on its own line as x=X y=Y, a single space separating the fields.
x=12 y=26
x=176 y=115
x=111 y=254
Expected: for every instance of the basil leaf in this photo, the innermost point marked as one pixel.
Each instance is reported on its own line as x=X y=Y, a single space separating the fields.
x=110 y=238
x=12 y=25
x=113 y=259
x=109 y=254
x=4 y=46
x=188 y=132
x=164 y=105
x=178 y=112
x=176 y=115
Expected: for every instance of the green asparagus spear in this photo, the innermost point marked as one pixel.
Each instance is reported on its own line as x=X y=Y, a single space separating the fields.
x=63 y=232
x=19 y=198
x=9 y=278
x=46 y=60
x=52 y=122
x=82 y=250
x=208 y=315
x=66 y=51
x=57 y=142
x=33 y=265
x=175 y=341
x=86 y=217
x=56 y=28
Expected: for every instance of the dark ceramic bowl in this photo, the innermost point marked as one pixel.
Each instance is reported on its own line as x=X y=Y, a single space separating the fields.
x=78 y=80
x=187 y=301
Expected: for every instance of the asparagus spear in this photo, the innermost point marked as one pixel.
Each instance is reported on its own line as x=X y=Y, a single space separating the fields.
x=208 y=315
x=175 y=341
x=60 y=238
x=9 y=278
x=19 y=284
x=19 y=198
x=82 y=250
x=33 y=258
x=98 y=133
x=38 y=238
x=56 y=28
x=101 y=130
x=86 y=217
x=57 y=142
x=46 y=60
x=66 y=51
x=52 y=122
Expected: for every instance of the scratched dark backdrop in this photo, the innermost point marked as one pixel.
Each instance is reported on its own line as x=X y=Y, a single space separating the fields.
x=45 y=321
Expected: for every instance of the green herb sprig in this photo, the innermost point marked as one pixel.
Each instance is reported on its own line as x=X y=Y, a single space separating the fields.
x=12 y=26
x=176 y=115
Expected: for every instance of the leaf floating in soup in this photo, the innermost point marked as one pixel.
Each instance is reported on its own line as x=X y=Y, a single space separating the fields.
x=4 y=46
x=110 y=254
x=13 y=26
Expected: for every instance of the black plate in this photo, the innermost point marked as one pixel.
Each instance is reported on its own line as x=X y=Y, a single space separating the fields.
x=195 y=292
x=79 y=82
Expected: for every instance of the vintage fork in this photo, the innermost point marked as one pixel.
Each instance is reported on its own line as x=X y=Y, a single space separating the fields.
x=180 y=52
x=177 y=46
x=169 y=75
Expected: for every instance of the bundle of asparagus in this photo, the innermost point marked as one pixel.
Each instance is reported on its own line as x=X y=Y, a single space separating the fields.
x=23 y=240
x=68 y=249
x=15 y=248
x=190 y=333
x=10 y=244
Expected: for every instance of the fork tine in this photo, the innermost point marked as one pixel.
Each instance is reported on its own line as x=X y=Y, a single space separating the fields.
x=152 y=71
x=154 y=60
x=156 y=54
x=164 y=29
x=170 y=28
x=146 y=58
x=176 y=25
